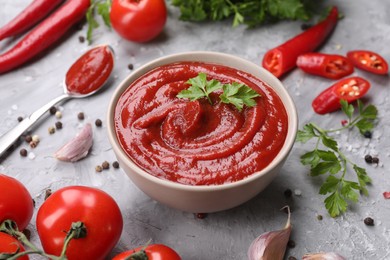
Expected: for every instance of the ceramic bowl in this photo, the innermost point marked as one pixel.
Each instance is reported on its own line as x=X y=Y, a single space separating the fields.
x=213 y=198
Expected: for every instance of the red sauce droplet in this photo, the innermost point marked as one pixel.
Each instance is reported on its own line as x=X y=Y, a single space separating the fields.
x=90 y=71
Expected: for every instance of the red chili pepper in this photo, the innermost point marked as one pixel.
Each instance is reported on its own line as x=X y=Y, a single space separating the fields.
x=369 y=61
x=45 y=34
x=283 y=58
x=30 y=16
x=349 y=89
x=330 y=66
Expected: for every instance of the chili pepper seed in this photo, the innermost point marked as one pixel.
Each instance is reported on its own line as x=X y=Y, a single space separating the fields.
x=369 y=221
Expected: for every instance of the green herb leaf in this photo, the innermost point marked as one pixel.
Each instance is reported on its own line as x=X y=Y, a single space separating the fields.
x=103 y=9
x=348 y=109
x=335 y=204
x=239 y=95
x=236 y=93
x=333 y=162
x=306 y=134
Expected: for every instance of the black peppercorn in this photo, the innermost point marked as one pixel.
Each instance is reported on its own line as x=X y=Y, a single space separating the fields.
x=130 y=66
x=288 y=193
x=367 y=134
x=105 y=165
x=81 y=39
x=291 y=244
x=20 y=119
x=98 y=122
x=23 y=152
x=375 y=160
x=115 y=165
x=28 y=138
x=369 y=221
x=80 y=116
x=368 y=158
x=58 y=125
x=53 y=110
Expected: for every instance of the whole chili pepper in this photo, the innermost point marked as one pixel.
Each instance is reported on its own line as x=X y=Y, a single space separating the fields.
x=282 y=59
x=330 y=66
x=45 y=34
x=30 y=16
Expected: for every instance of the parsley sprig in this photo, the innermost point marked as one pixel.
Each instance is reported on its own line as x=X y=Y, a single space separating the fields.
x=332 y=162
x=102 y=7
x=235 y=93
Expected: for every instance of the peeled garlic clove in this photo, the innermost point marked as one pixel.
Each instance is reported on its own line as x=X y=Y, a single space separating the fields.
x=78 y=147
x=323 y=256
x=271 y=245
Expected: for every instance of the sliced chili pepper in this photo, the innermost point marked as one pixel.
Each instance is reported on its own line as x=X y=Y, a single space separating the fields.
x=349 y=89
x=44 y=35
x=283 y=58
x=330 y=66
x=369 y=61
x=30 y=16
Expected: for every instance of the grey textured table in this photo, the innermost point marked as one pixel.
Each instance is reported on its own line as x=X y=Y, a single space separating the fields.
x=223 y=235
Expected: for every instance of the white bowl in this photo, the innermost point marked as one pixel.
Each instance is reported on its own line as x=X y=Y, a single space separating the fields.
x=205 y=199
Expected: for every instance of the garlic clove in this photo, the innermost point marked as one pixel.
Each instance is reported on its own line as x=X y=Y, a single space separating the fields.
x=323 y=256
x=271 y=245
x=77 y=148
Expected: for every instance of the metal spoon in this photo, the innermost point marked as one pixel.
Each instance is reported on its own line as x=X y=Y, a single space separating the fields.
x=11 y=136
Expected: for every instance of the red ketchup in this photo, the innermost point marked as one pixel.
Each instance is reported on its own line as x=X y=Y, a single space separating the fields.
x=194 y=142
x=90 y=71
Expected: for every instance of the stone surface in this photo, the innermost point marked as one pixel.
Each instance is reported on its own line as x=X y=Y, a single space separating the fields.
x=228 y=234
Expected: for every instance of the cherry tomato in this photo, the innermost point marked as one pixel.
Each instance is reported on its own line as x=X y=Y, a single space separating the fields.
x=138 y=20
x=369 y=61
x=10 y=245
x=153 y=252
x=330 y=66
x=349 y=89
x=15 y=202
x=95 y=208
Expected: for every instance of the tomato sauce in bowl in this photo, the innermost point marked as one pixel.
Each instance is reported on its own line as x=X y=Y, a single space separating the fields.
x=194 y=142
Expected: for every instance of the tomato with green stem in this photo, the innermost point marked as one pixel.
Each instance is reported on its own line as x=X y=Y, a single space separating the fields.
x=138 y=20
x=349 y=89
x=369 y=61
x=15 y=202
x=9 y=246
x=94 y=208
x=149 y=252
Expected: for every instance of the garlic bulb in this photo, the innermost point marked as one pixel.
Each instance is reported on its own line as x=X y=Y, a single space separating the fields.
x=78 y=147
x=271 y=245
x=323 y=256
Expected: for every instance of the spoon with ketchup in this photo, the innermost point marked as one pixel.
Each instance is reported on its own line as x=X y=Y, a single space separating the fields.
x=84 y=78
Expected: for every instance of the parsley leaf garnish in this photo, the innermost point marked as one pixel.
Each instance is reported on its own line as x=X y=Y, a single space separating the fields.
x=235 y=93
x=102 y=7
x=331 y=161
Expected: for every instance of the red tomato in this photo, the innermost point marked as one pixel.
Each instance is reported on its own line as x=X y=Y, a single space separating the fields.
x=349 y=89
x=138 y=20
x=15 y=202
x=369 y=61
x=153 y=252
x=95 y=208
x=9 y=245
x=330 y=66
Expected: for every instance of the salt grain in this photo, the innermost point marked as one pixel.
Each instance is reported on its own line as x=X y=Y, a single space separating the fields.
x=31 y=156
x=297 y=192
